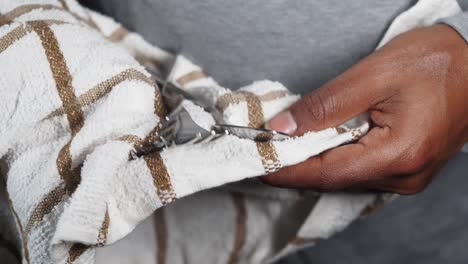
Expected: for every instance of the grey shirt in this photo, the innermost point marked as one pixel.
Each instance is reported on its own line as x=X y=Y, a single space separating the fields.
x=300 y=43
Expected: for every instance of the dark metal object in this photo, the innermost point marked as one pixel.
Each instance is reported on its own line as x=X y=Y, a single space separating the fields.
x=179 y=127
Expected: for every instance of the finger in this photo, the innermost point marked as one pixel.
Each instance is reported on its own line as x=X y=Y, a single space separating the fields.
x=348 y=166
x=348 y=95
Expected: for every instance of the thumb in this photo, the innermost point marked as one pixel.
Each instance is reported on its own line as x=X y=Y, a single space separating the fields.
x=331 y=105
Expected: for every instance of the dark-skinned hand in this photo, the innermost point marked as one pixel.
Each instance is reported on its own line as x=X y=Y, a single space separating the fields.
x=415 y=90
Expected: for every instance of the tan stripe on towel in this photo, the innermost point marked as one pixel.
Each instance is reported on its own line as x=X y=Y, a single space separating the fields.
x=24 y=9
x=190 y=77
x=88 y=20
x=63 y=81
x=21 y=10
x=273 y=95
x=11 y=37
x=75 y=252
x=61 y=74
x=236 y=97
x=148 y=140
x=70 y=176
x=161 y=178
x=159 y=108
x=104 y=230
x=241 y=227
x=24 y=238
x=299 y=241
x=161 y=112
x=118 y=35
x=136 y=141
x=255 y=111
x=229 y=99
x=78 y=249
x=100 y=90
x=267 y=153
x=45 y=206
x=64 y=4
x=92 y=23
x=160 y=227
x=132 y=139
x=18 y=33
x=254 y=106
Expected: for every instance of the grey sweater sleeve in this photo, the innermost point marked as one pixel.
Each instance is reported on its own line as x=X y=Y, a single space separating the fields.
x=459 y=22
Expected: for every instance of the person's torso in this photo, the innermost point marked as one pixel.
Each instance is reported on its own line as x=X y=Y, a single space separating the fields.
x=300 y=43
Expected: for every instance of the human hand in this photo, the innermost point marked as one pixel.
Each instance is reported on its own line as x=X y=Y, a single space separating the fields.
x=415 y=90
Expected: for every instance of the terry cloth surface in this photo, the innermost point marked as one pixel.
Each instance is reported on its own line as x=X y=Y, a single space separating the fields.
x=77 y=101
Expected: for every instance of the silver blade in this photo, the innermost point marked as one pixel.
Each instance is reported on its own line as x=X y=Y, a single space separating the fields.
x=257 y=134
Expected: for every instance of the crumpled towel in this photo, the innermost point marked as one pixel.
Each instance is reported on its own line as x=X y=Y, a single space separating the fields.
x=75 y=105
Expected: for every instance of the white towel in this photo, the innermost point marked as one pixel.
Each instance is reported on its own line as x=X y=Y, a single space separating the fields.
x=76 y=102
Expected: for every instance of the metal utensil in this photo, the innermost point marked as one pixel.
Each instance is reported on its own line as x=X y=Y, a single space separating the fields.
x=257 y=134
x=180 y=128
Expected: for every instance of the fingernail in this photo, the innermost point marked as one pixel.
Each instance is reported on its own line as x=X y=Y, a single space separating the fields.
x=283 y=122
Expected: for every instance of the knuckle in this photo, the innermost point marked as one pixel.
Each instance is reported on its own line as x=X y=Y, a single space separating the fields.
x=415 y=160
x=316 y=107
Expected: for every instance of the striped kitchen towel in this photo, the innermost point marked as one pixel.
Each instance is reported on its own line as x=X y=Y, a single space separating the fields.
x=77 y=100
